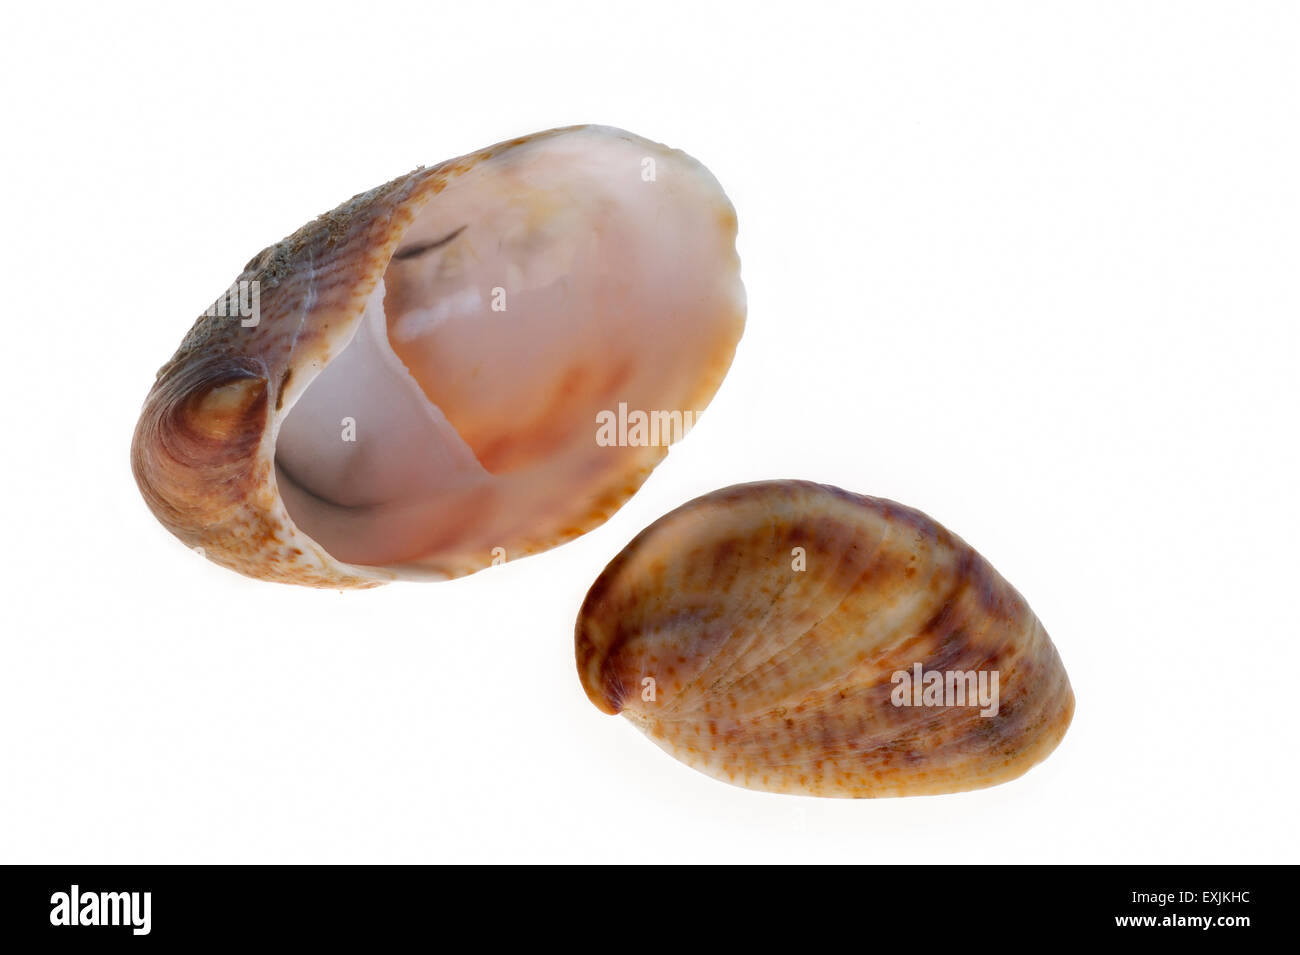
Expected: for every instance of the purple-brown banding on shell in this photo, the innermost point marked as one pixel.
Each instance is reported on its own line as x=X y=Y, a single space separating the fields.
x=784 y=679
x=412 y=241
x=192 y=450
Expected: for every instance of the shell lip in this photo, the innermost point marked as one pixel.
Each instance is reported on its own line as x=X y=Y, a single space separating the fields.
x=236 y=384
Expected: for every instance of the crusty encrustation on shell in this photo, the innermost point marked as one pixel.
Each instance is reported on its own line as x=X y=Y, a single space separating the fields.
x=418 y=395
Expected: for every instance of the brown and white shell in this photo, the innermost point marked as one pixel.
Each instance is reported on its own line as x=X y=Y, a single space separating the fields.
x=418 y=394
x=771 y=635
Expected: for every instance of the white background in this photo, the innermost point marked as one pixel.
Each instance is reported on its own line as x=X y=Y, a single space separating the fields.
x=1029 y=267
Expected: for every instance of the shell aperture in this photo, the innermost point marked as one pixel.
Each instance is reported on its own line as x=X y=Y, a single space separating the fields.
x=421 y=386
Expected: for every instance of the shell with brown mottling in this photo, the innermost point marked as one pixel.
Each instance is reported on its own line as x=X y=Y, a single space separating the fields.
x=415 y=389
x=783 y=636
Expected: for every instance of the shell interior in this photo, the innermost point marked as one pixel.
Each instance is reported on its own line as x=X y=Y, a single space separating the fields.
x=535 y=291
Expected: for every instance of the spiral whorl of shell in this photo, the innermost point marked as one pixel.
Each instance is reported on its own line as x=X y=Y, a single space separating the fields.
x=797 y=638
x=413 y=385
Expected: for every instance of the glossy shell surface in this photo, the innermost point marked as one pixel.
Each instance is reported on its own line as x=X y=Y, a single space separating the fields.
x=758 y=634
x=419 y=393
